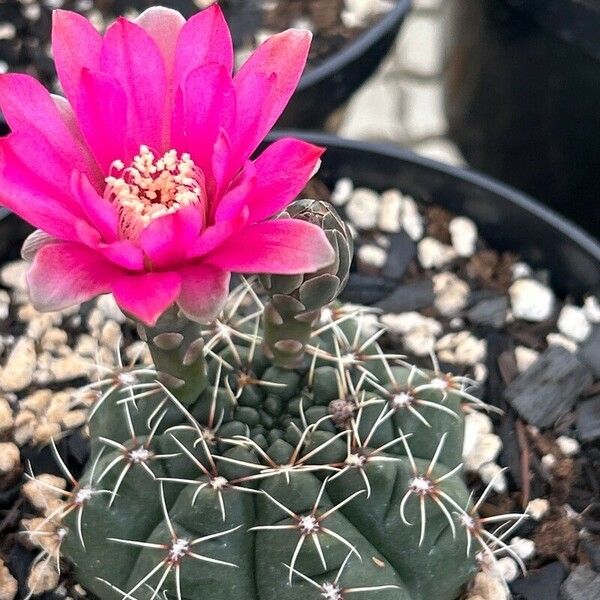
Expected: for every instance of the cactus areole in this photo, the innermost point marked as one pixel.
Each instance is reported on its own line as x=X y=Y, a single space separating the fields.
x=273 y=450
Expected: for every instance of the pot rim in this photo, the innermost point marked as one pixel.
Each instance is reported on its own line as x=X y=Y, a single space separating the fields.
x=513 y=195
x=359 y=46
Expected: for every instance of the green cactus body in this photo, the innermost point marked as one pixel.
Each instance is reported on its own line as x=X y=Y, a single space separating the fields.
x=287 y=475
x=276 y=454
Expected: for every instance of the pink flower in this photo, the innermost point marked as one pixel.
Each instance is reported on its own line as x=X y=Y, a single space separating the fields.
x=141 y=179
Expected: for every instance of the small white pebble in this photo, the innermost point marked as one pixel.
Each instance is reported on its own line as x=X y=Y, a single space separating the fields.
x=433 y=254
x=419 y=332
x=591 y=307
x=451 y=293
x=20 y=366
x=7 y=31
x=548 y=461
x=507 y=568
x=412 y=221
x=95 y=320
x=524 y=548
x=486 y=449
x=43 y=490
x=4 y=304
x=461 y=348
x=531 y=300
x=6 y=415
x=464 y=235
x=111 y=335
x=13 y=275
x=457 y=323
x=303 y=23
x=42 y=578
x=492 y=472
x=538 y=508
x=342 y=192
x=480 y=372
x=372 y=256
x=10 y=457
x=520 y=270
x=262 y=35
x=32 y=12
x=573 y=323
x=110 y=309
x=8 y=584
x=525 y=357
x=485 y=586
x=567 y=445
x=362 y=208
x=557 y=339
x=358 y=13
x=390 y=211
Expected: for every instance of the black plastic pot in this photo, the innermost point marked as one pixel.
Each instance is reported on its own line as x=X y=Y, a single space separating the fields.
x=522 y=95
x=328 y=86
x=507 y=218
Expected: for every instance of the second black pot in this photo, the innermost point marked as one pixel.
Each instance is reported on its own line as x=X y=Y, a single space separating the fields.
x=522 y=96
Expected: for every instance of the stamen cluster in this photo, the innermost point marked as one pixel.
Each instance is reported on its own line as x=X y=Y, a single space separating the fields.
x=152 y=187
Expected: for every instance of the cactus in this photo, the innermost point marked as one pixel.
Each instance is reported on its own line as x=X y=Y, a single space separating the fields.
x=317 y=467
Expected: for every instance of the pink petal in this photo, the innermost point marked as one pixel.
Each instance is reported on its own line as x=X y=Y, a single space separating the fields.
x=75 y=45
x=102 y=115
x=204 y=291
x=123 y=253
x=94 y=173
x=147 y=296
x=236 y=198
x=166 y=240
x=286 y=246
x=205 y=103
x=283 y=58
x=221 y=167
x=45 y=139
x=33 y=242
x=97 y=209
x=164 y=25
x=215 y=235
x=132 y=57
x=36 y=201
x=204 y=39
x=282 y=172
x=65 y=274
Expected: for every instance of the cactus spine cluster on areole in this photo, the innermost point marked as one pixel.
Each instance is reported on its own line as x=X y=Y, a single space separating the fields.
x=277 y=453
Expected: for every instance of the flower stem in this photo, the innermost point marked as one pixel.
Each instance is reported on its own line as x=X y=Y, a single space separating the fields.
x=176 y=346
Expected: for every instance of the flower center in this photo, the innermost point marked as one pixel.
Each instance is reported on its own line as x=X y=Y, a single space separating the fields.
x=152 y=187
